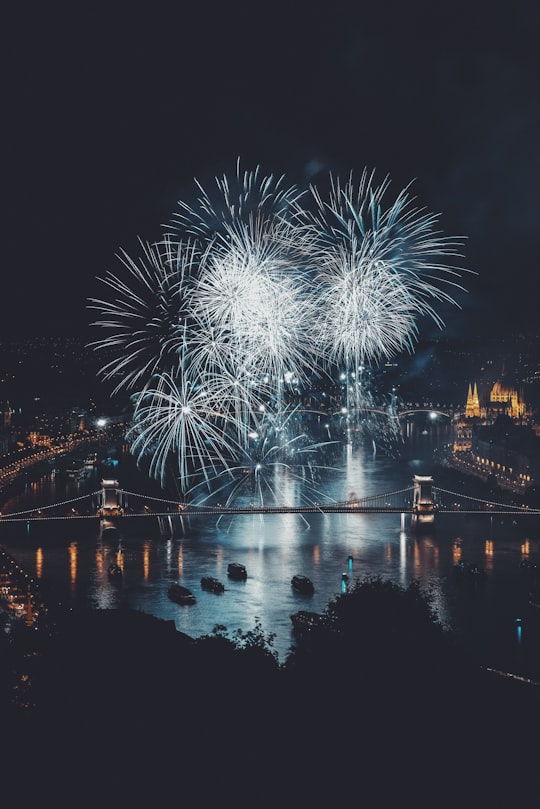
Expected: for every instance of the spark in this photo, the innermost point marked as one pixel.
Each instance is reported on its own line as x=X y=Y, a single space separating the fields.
x=146 y=316
x=249 y=207
x=280 y=464
x=377 y=269
x=253 y=294
x=178 y=418
x=251 y=283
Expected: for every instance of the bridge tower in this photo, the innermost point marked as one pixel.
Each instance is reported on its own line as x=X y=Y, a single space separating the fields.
x=423 y=513
x=111 y=501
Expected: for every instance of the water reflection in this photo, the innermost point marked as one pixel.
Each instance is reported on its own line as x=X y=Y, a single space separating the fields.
x=146 y=561
x=73 y=563
x=275 y=548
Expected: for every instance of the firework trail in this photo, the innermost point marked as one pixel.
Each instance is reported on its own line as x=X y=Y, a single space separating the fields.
x=251 y=284
x=375 y=269
x=254 y=296
x=146 y=317
x=281 y=464
x=182 y=420
x=247 y=208
x=371 y=418
x=366 y=313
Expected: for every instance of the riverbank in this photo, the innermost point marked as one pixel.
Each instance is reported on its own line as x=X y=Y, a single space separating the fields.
x=466 y=463
x=511 y=490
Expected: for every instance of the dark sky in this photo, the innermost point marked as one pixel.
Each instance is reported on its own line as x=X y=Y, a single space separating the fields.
x=111 y=113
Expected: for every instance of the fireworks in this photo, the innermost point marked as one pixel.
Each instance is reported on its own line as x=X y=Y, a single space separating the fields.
x=147 y=316
x=251 y=285
x=219 y=330
x=375 y=269
x=182 y=420
x=278 y=464
x=248 y=208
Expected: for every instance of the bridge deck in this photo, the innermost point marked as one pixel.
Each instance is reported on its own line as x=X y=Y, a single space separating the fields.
x=96 y=506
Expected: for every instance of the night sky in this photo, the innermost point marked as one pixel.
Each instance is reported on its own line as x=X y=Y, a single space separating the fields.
x=111 y=113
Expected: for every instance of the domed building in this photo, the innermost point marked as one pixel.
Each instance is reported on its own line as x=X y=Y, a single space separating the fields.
x=507 y=401
x=504 y=400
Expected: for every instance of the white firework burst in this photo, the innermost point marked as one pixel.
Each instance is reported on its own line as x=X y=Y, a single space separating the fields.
x=280 y=464
x=255 y=297
x=377 y=268
x=146 y=317
x=181 y=422
x=248 y=207
x=251 y=285
x=365 y=314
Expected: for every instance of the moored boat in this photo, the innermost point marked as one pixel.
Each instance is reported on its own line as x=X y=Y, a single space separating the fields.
x=180 y=594
x=114 y=571
x=237 y=571
x=302 y=584
x=212 y=585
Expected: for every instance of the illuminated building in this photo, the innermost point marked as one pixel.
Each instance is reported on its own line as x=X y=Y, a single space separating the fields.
x=507 y=400
x=472 y=408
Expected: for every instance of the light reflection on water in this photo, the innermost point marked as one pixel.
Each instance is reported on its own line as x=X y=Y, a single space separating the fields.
x=74 y=559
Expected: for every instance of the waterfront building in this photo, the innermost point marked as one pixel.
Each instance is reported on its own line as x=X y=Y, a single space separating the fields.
x=507 y=451
x=472 y=407
x=464 y=421
x=505 y=399
x=494 y=439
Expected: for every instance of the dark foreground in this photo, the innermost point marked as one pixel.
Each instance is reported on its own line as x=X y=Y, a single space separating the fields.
x=124 y=711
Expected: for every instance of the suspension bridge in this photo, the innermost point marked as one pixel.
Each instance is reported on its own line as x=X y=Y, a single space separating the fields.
x=422 y=501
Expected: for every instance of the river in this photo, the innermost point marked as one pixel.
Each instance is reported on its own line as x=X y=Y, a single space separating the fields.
x=492 y=619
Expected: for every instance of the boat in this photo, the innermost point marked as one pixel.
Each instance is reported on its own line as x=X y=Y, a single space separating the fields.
x=469 y=571
x=114 y=571
x=212 y=585
x=306 y=621
x=302 y=584
x=180 y=594
x=237 y=571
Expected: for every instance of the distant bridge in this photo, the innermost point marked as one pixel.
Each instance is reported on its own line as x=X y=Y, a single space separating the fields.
x=422 y=501
x=390 y=411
